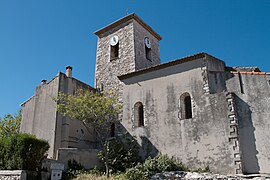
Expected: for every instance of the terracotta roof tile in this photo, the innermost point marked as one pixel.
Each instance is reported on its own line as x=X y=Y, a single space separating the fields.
x=250 y=73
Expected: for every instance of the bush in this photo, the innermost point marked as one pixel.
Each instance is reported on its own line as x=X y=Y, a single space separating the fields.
x=76 y=170
x=123 y=154
x=22 y=151
x=137 y=172
x=202 y=170
x=160 y=163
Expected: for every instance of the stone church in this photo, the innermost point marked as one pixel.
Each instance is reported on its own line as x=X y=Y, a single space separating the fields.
x=196 y=108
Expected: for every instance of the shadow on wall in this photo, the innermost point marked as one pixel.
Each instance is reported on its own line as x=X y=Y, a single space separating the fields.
x=217 y=81
x=247 y=139
x=146 y=148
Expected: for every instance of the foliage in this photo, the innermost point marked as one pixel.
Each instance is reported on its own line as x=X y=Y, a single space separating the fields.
x=95 y=110
x=77 y=171
x=163 y=163
x=123 y=153
x=137 y=172
x=22 y=151
x=142 y=171
x=74 y=168
x=84 y=176
x=202 y=170
x=10 y=124
x=160 y=163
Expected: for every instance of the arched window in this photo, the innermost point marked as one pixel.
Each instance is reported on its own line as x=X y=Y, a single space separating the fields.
x=185 y=106
x=138 y=114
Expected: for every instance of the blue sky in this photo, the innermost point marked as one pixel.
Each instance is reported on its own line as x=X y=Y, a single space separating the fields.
x=39 y=38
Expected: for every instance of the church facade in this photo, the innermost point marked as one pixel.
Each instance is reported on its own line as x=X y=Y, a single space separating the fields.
x=195 y=109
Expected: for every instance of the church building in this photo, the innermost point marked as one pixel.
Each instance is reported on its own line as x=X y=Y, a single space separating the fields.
x=195 y=108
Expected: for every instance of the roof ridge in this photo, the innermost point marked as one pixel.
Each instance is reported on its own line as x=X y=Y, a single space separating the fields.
x=125 y=19
x=167 y=64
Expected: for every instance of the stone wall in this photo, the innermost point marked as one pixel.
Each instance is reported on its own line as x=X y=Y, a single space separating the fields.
x=13 y=175
x=234 y=131
x=141 y=62
x=131 y=55
x=107 y=70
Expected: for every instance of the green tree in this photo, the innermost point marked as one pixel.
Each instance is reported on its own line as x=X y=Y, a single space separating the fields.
x=10 y=124
x=95 y=111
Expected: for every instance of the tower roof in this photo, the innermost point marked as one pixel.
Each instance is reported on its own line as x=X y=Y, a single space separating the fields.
x=125 y=19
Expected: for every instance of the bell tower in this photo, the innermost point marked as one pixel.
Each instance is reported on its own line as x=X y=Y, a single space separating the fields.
x=125 y=46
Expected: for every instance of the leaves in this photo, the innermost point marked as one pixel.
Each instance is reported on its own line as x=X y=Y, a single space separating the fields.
x=123 y=153
x=95 y=110
x=151 y=166
x=22 y=151
x=10 y=124
x=91 y=108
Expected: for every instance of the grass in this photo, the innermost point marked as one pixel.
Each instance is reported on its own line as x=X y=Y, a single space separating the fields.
x=98 y=177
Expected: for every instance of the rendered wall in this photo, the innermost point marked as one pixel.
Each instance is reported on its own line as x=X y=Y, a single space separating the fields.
x=73 y=133
x=198 y=142
x=253 y=107
x=88 y=158
x=41 y=119
x=39 y=114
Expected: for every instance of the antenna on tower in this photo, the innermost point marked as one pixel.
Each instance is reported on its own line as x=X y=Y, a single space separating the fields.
x=127 y=11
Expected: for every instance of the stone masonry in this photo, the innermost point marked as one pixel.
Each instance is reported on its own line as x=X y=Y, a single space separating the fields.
x=131 y=31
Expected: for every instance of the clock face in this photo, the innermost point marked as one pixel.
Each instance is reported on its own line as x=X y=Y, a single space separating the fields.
x=147 y=42
x=114 y=40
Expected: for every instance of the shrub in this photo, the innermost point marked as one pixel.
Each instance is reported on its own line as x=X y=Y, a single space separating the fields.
x=160 y=163
x=74 y=165
x=202 y=170
x=137 y=172
x=123 y=153
x=22 y=151
x=76 y=170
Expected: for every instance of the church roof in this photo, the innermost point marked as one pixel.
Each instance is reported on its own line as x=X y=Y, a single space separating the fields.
x=125 y=19
x=164 y=65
